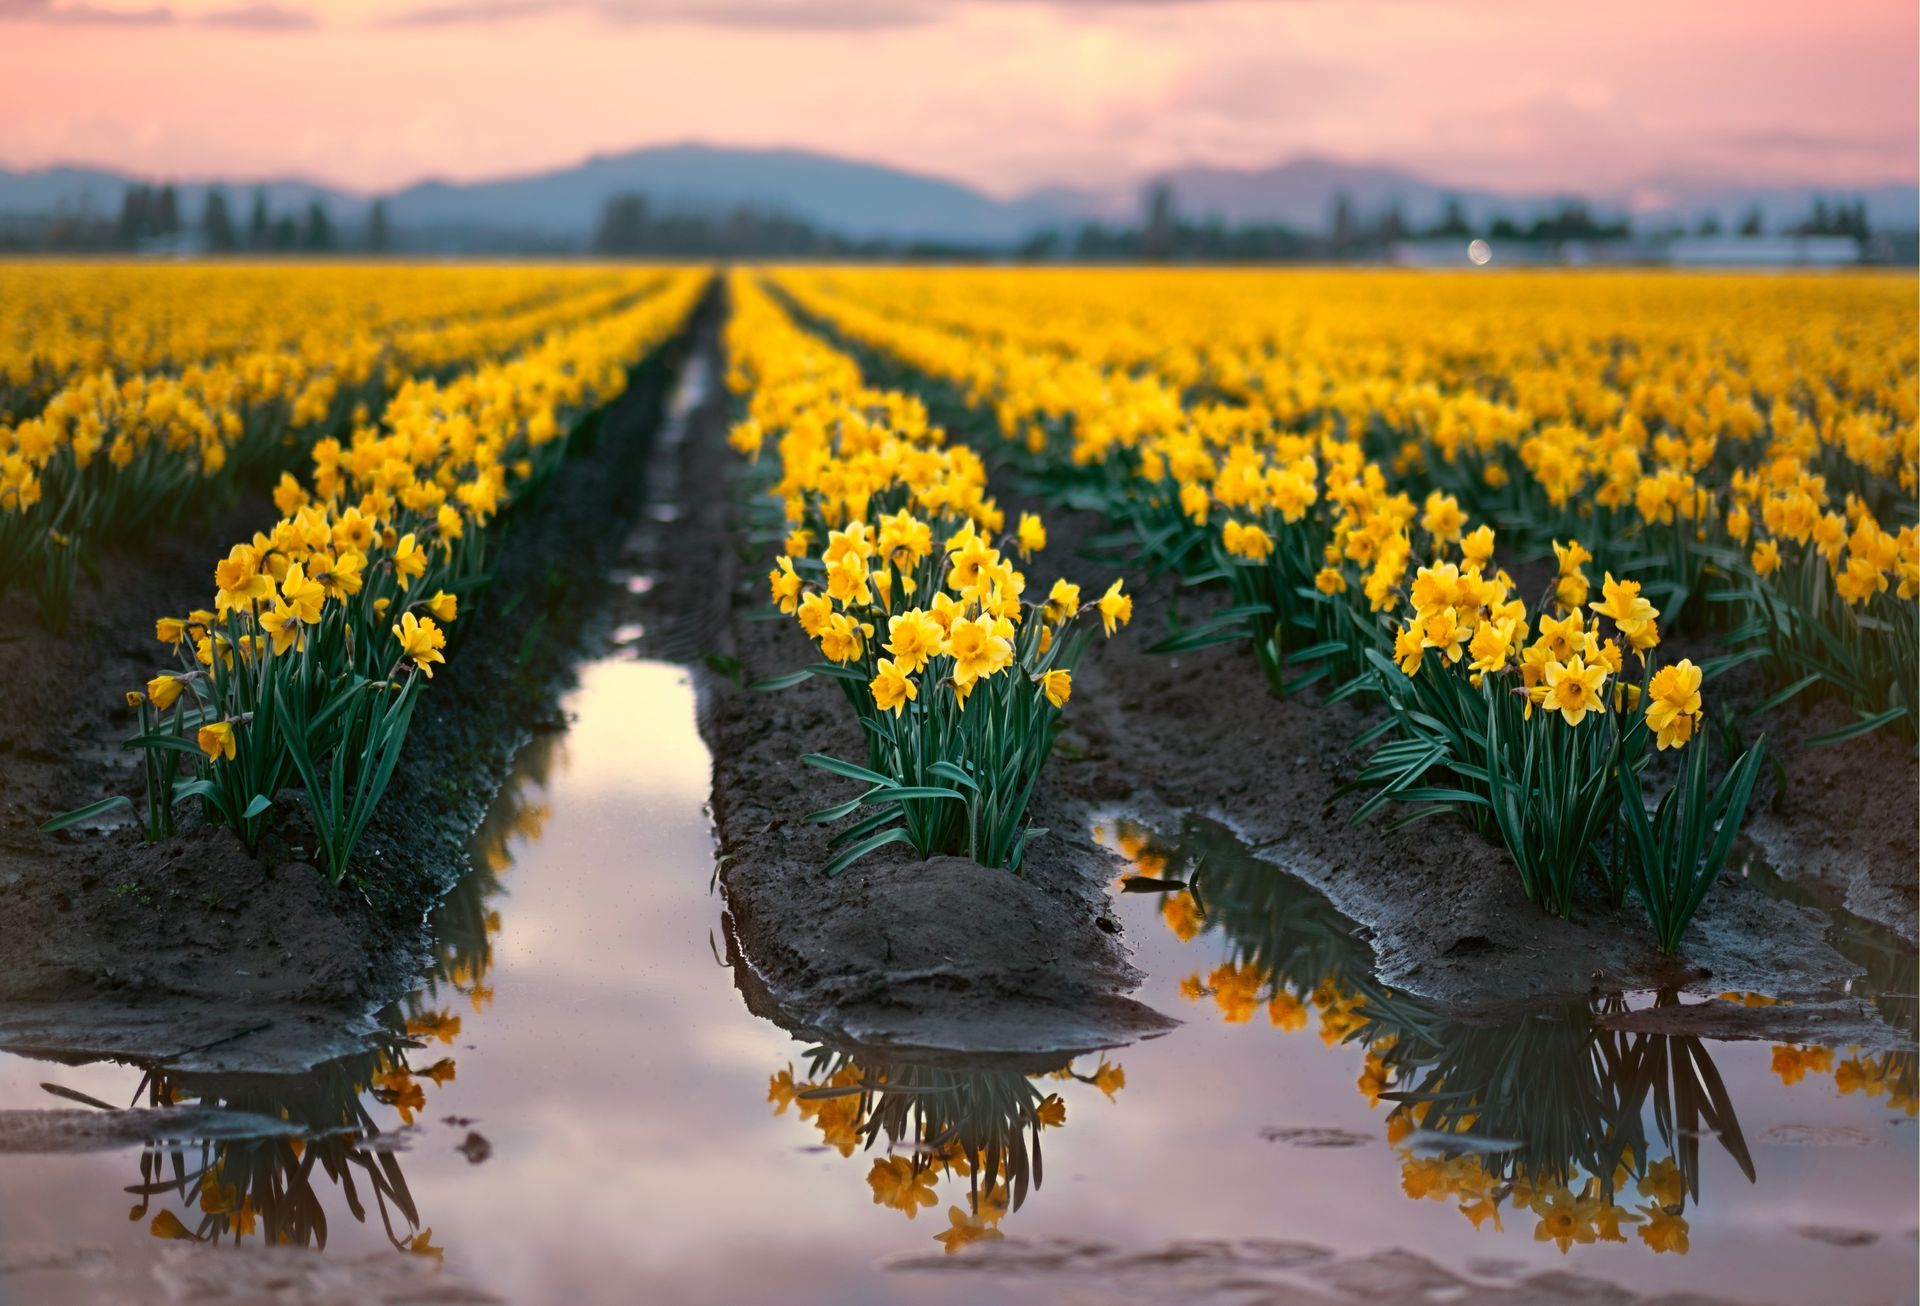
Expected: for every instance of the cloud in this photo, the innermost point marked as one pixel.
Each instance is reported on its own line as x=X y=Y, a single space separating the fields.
x=259 y=18
x=1147 y=6
x=1797 y=140
x=81 y=15
x=771 y=15
x=458 y=15
x=264 y=17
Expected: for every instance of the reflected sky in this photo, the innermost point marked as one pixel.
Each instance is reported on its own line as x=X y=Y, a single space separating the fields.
x=632 y=1152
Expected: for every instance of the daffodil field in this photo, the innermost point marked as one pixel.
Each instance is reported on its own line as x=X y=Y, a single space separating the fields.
x=977 y=699
x=408 y=412
x=1488 y=507
x=1527 y=521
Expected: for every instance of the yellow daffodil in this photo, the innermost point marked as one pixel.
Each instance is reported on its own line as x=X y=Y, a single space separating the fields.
x=964 y=1229
x=1031 y=536
x=420 y=642
x=913 y=637
x=1573 y=689
x=216 y=740
x=785 y=584
x=977 y=650
x=892 y=688
x=1057 y=684
x=1663 y=1231
x=1673 y=707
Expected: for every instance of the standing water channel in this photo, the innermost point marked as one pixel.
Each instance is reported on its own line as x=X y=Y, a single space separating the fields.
x=589 y=1113
x=576 y=1106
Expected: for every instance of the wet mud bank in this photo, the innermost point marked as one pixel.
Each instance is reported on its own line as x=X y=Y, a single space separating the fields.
x=1441 y=907
x=1844 y=824
x=197 y=953
x=1160 y=737
x=930 y=957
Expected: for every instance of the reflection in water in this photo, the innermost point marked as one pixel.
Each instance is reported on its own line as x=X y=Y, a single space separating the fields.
x=980 y=1125
x=1891 y=982
x=618 y=1093
x=276 y=1188
x=1592 y=1133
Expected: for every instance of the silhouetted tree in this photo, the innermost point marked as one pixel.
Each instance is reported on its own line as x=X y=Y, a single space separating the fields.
x=135 y=217
x=216 y=222
x=1040 y=246
x=1393 y=227
x=630 y=225
x=166 y=212
x=379 y=237
x=1156 y=237
x=623 y=225
x=1345 y=229
x=1453 y=219
x=259 y=223
x=1859 y=220
x=318 y=235
x=1844 y=220
x=1575 y=221
x=1754 y=223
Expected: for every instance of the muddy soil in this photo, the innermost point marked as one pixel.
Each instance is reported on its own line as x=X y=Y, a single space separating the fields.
x=1282 y=1271
x=927 y=957
x=1845 y=821
x=81 y=1129
x=195 y=952
x=1152 y=736
x=1444 y=911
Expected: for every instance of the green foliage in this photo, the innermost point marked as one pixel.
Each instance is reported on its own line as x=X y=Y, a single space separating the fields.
x=359 y=734
x=1867 y=655
x=948 y=778
x=1678 y=851
x=1552 y=791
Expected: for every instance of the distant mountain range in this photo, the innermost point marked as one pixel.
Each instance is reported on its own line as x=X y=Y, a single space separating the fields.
x=866 y=200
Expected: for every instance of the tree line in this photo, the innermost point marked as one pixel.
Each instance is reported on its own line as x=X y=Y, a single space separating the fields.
x=152 y=216
x=1163 y=232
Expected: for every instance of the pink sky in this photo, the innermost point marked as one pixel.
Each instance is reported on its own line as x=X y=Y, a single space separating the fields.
x=1002 y=93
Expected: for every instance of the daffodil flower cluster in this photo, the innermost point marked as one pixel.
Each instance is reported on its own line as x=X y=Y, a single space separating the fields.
x=898 y=565
x=937 y=1124
x=1566 y=1095
x=1466 y=620
x=61 y=321
x=1326 y=565
x=1560 y=1215
x=1693 y=430
x=272 y=1189
x=1325 y=449
x=1552 y=785
x=1617 y=390
x=109 y=445
x=1835 y=594
x=1892 y=1075
x=266 y=1189
x=324 y=628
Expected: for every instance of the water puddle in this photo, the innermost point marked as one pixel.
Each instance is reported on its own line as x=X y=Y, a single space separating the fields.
x=576 y=1106
x=1549 y=1141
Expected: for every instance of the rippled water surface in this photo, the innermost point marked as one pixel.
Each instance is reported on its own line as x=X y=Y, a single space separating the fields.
x=577 y=1106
